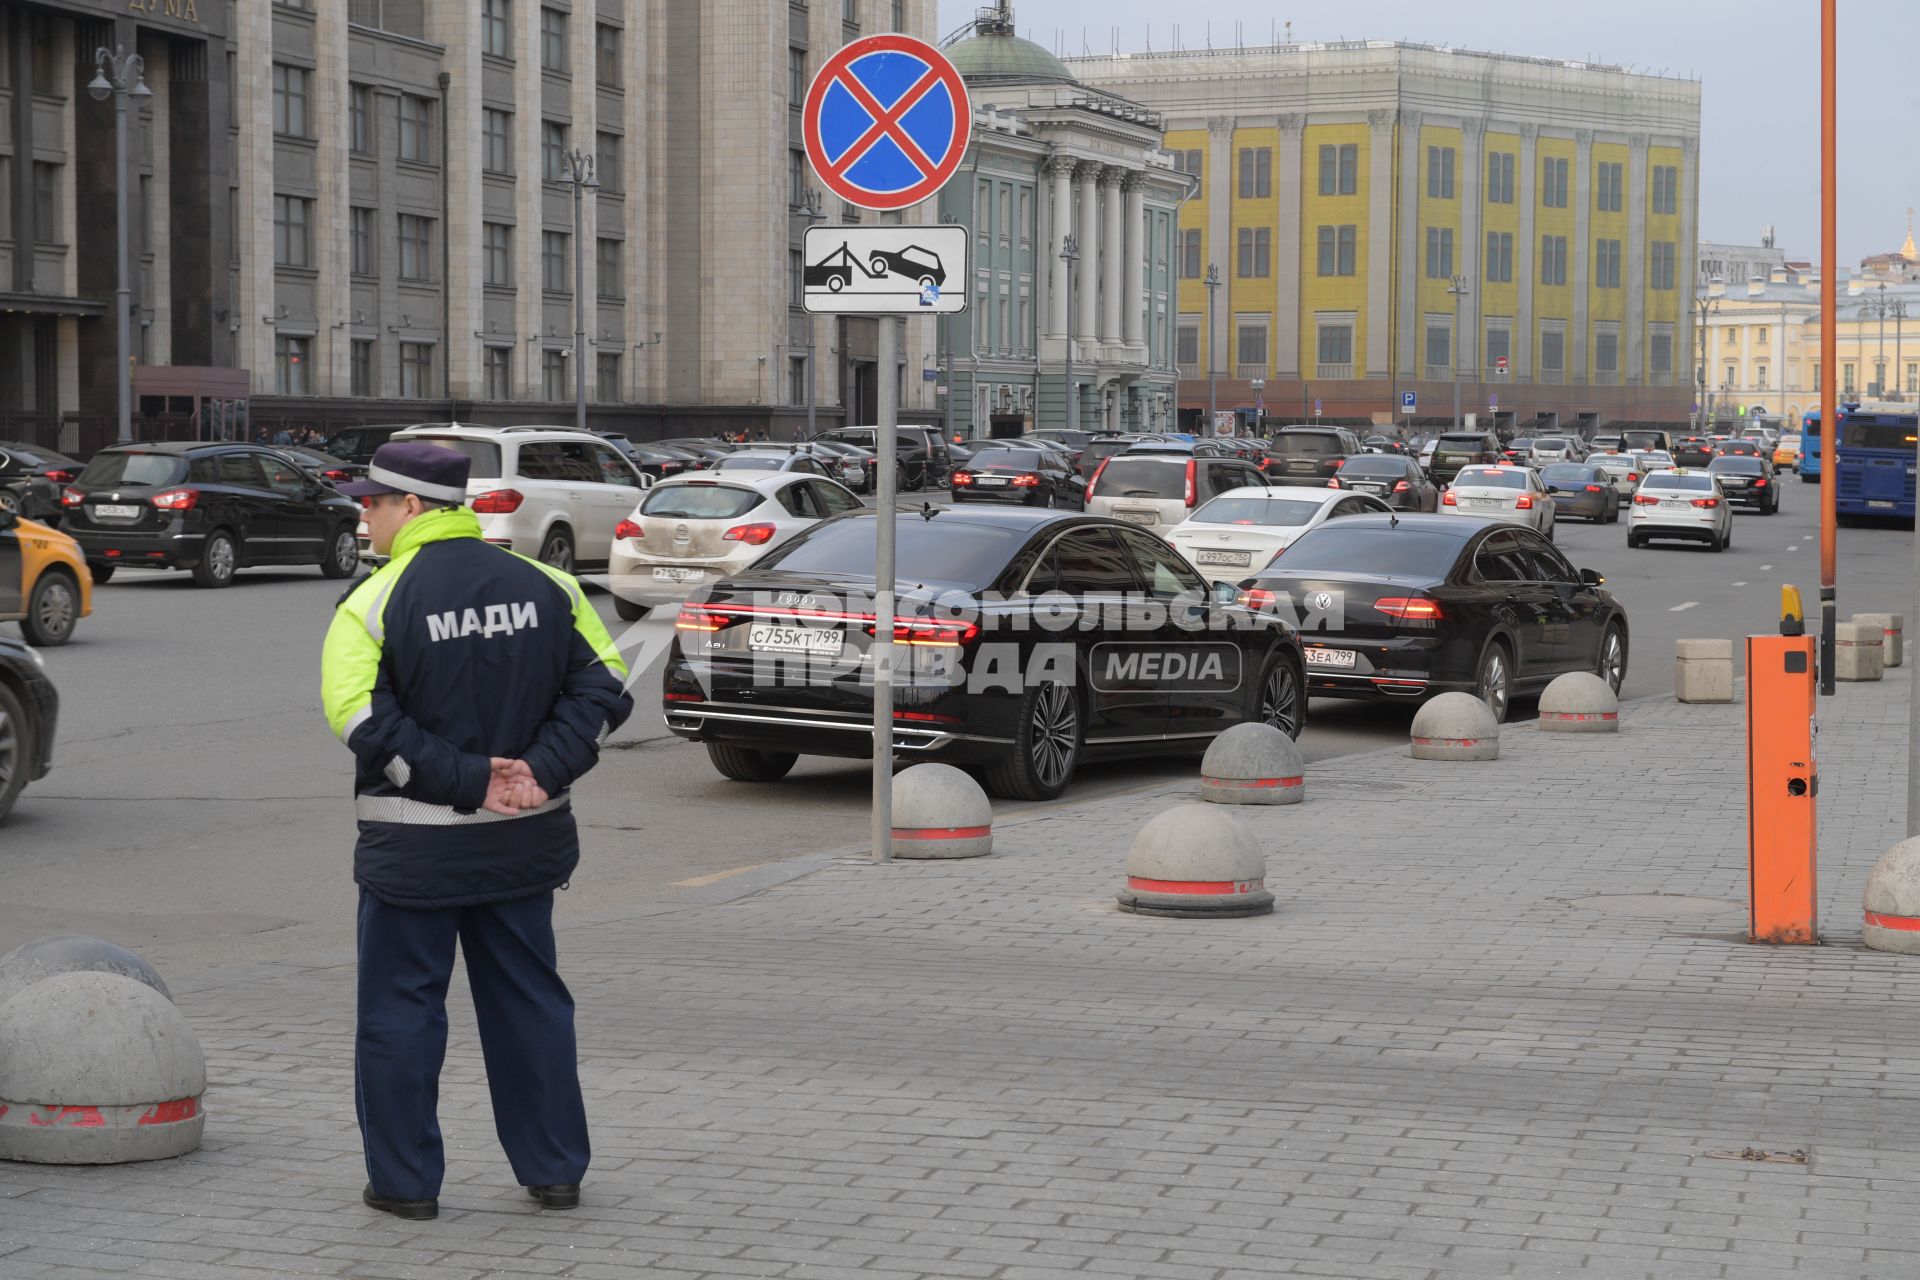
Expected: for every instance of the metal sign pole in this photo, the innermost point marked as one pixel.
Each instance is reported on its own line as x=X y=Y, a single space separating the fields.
x=883 y=583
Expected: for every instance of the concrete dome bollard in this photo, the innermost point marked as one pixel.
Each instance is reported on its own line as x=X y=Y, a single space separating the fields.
x=1196 y=862
x=1253 y=764
x=1579 y=702
x=29 y=962
x=1455 y=726
x=1859 y=652
x=96 y=1068
x=940 y=812
x=1891 y=903
x=1893 y=632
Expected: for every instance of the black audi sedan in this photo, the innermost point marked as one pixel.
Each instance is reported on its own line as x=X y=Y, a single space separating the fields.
x=1399 y=608
x=1030 y=477
x=29 y=708
x=1027 y=642
x=212 y=508
x=1393 y=478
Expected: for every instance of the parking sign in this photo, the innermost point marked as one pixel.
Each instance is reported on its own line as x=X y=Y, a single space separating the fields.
x=1408 y=402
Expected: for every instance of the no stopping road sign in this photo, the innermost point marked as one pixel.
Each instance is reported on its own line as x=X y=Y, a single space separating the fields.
x=886 y=122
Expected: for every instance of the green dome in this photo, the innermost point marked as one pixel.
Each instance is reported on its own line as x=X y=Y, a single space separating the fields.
x=991 y=57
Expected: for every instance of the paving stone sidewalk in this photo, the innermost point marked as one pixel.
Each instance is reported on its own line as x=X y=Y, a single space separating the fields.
x=1504 y=1023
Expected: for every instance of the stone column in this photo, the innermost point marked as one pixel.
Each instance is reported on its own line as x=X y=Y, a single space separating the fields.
x=253 y=226
x=1286 y=267
x=1113 y=260
x=1525 y=269
x=1220 y=248
x=1379 y=322
x=586 y=137
x=642 y=319
x=1134 y=299
x=1687 y=269
x=1633 y=347
x=1466 y=354
x=332 y=352
x=524 y=369
x=1087 y=323
x=1060 y=170
x=1578 y=337
x=1413 y=243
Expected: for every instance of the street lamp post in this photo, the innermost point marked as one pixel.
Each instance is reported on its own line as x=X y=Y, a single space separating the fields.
x=1213 y=288
x=1069 y=254
x=1456 y=289
x=814 y=214
x=1704 y=308
x=579 y=175
x=120 y=75
x=1880 y=306
x=1259 y=386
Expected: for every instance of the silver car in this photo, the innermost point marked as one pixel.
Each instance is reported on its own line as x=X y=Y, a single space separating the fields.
x=1511 y=494
x=1581 y=489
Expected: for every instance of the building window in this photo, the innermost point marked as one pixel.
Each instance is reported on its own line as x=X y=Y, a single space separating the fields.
x=1553 y=350
x=290 y=98
x=850 y=11
x=1553 y=260
x=1661 y=257
x=1191 y=163
x=553 y=40
x=1439 y=253
x=1337 y=250
x=1500 y=177
x=553 y=151
x=1499 y=257
x=1256 y=173
x=606 y=377
x=1340 y=170
x=796 y=178
x=1336 y=344
x=553 y=369
x=416 y=370
x=1190 y=254
x=1186 y=340
x=606 y=55
x=553 y=261
x=1251 y=341
x=361 y=364
x=1553 y=182
x=1499 y=346
x=607 y=168
x=416 y=128
x=1609 y=187
x=899 y=15
x=1606 y=264
x=1660 y=353
x=292 y=232
x=416 y=247
x=797 y=80
x=496 y=140
x=1440 y=172
x=1760 y=377
x=496 y=254
x=1846 y=378
x=495 y=364
x=1439 y=346
x=290 y=365
x=360 y=119
x=46 y=203
x=496 y=28
x=360 y=241
x=606 y=261
x=1816 y=377
x=1606 y=352
x=797 y=380
x=1913 y=378
x=1666 y=189
x=1256 y=253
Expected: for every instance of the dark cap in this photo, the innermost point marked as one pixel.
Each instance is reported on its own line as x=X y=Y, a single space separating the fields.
x=416 y=467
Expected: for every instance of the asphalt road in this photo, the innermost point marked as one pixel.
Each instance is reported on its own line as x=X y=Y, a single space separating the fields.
x=199 y=810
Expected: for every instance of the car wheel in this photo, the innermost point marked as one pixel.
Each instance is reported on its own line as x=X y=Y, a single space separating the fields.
x=557 y=551
x=52 y=610
x=16 y=749
x=1550 y=529
x=1718 y=544
x=9 y=501
x=1633 y=541
x=1046 y=747
x=745 y=764
x=1613 y=658
x=1494 y=683
x=218 y=560
x=1281 y=702
x=101 y=572
x=343 y=554
x=627 y=611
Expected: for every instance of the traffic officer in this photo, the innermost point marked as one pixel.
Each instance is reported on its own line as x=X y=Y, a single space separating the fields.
x=473 y=686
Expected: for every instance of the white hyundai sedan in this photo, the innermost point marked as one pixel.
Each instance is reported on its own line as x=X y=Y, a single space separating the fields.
x=1512 y=494
x=1242 y=530
x=695 y=529
x=1680 y=504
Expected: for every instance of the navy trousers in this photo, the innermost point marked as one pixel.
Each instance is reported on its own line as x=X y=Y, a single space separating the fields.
x=526 y=1034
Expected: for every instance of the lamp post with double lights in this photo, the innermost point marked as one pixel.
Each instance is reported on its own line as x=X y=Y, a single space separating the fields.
x=1456 y=289
x=1704 y=309
x=578 y=174
x=1213 y=289
x=1070 y=254
x=119 y=75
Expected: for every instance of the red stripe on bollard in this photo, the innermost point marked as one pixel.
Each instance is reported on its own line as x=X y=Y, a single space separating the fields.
x=1905 y=924
x=1255 y=782
x=940 y=833
x=1446 y=742
x=1580 y=716
x=171 y=1112
x=1144 y=885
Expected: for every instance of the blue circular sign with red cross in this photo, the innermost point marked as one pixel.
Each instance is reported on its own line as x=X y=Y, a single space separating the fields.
x=886 y=122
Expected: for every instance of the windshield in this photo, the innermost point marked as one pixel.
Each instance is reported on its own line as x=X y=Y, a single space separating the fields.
x=484 y=455
x=1897 y=434
x=1339 y=547
x=700 y=502
x=1143 y=478
x=1489 y=478
x=1274 y=512
x=1019 y=459
x=1567 y=474
x=1736 y=466
x=1643 y=439
x=1669 y=480
x=1464 y=444
x=751 y=462
x=1305 y=444
x=110 y=469
x=937 y=550
x=1375 y=466
x=1551 y=444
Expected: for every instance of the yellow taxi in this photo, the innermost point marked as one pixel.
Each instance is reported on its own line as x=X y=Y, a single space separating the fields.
x=1787 y=452
x=44 y=583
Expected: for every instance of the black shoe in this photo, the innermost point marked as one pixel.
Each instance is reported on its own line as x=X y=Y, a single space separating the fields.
x=412 y=1210
x=561 y=1195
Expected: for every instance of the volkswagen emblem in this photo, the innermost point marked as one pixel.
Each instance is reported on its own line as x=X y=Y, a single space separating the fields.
x=1322 y=601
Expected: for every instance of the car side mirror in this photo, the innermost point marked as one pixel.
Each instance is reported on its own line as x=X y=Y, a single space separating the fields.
x=1592 y=578
x=1225 y=593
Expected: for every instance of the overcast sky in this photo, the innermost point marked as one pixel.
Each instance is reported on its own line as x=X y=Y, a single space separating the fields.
x=1757 y=60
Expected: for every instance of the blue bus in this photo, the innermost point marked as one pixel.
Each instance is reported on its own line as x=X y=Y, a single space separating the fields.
x=1810 y=448
x=1874 y=459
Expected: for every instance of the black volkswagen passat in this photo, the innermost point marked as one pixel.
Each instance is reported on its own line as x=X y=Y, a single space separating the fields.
x=1031 y=477
x=1028 y=642
x=1399 y=608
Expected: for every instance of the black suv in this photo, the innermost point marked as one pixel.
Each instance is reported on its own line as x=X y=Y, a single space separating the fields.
x=1310 y=455
x=30 y=480
x=28 y=710
x=212 y=508
x=921 y=459
x=1457 y=449
x=357 y=444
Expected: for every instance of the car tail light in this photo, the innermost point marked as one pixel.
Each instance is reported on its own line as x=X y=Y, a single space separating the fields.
x=1761 y=483
x=1265 y=463
x=1633 y=477
x=1256 y=598
x=1401 y=487
x=1706 y=502
x=754 y=535
x=925 y=634
x=1594 y=488
x=72 y=498
x=1524 y=502
x=60 y=477
x=694 y=617
x=963 y=478
x=1028 y=481
x=336 y=475
x=1645 y=500
x=627 y=529
x=498 y=502
x=1409 y=608
x=1448 y=500
x=1191 y=464
x=1096 y=477
x=177 y=499
x=668 y=468
x=1334 y=483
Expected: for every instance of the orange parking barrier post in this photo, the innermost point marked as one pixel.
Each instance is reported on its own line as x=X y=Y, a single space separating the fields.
x=1783 y=781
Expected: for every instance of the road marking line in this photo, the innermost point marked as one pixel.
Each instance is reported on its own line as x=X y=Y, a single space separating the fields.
x=1766 y=568
x=1682 y=608
x=1739 y=584
x=701 y=881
